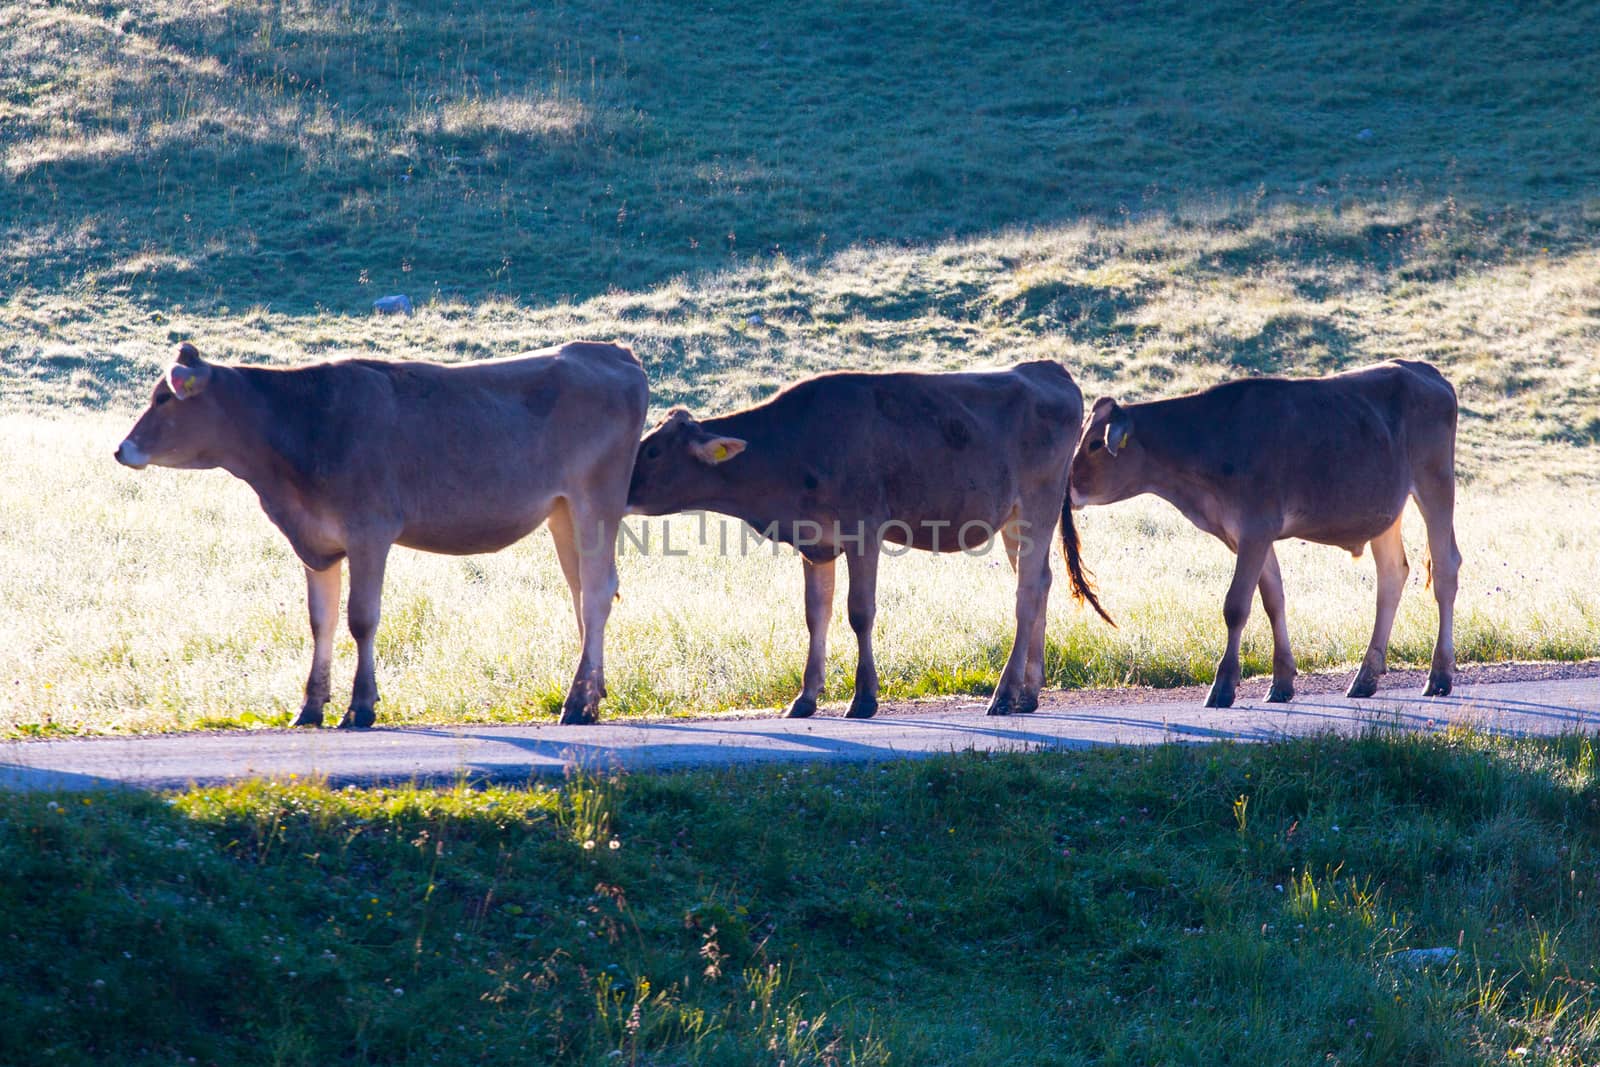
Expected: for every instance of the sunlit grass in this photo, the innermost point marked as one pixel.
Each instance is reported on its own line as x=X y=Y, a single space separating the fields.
x=165 y=600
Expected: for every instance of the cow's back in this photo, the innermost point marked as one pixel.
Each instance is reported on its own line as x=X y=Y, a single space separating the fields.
x=1400 y=413
x=933 y=414
x=1431 y=413
x=442 y=448
x=483 y=420
x=907 y=445
x=1328 y=458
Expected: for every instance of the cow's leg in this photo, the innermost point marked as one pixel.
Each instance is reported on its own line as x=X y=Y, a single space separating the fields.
x=1033 y=676
x=819 y=612
x=322 y=599
x=566 y=542
x=597 y=579
x=1436 y=499
x=1023 y=676
x=1252 y=555
x=1283 y=668
x=862 y=607
x=1389 y=555
x=363 y=610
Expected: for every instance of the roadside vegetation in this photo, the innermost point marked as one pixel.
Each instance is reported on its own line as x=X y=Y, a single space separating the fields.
x=1220 y=903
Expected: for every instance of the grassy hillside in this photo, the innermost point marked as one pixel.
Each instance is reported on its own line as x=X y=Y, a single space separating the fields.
x=1180 y=905
x=1160 y=196
x=316 y=155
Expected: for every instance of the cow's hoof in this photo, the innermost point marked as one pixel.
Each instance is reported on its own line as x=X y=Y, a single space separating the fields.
x=1438 y=685
x=579 y=709
x=862 y=708
x=1280 y=694
x=802 y=707
x=1221 y=696
x=308 y=717
x=1027 y=704
x=358 y=719
x=1362 y=687
x=582 y=704
x=1004 y=704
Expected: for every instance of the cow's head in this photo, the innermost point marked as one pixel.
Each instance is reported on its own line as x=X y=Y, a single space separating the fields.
x=183 y=422
x=678 y=465
x=1107 y=464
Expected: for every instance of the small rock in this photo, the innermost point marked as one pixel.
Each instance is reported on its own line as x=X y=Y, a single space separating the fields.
x=1365 y=135
x=398 y=304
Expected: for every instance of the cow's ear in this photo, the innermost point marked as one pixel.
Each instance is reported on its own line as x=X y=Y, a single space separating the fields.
x=187 y=382
x=1118 y=429
x=714 y=450
x=189 y=355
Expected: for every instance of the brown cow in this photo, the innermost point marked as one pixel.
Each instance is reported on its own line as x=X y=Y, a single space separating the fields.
x=841 y=463
x=350 y=458
x=1329 y=459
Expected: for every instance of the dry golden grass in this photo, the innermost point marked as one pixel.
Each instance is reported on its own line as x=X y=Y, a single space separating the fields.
x=1145 y=309
x=164 y=599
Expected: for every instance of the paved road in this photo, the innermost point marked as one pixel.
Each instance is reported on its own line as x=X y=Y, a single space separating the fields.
x=516 y=753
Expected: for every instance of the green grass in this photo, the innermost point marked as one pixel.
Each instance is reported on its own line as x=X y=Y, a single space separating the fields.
x=1170 y=905
x=308 y=156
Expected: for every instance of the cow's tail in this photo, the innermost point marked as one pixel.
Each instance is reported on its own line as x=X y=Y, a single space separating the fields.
x=1082 y=580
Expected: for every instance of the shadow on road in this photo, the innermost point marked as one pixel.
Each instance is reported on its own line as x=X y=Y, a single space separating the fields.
x=475 y=754
x=23 y=778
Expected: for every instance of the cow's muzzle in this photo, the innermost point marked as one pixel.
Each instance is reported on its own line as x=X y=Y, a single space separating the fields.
x=131 y=455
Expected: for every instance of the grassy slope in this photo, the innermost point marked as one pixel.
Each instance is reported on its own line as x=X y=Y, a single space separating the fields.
x=1178 y=905
x=309 y=155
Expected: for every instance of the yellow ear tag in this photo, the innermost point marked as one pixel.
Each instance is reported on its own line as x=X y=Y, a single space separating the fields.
x=1124 y=442
x=721 y=453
